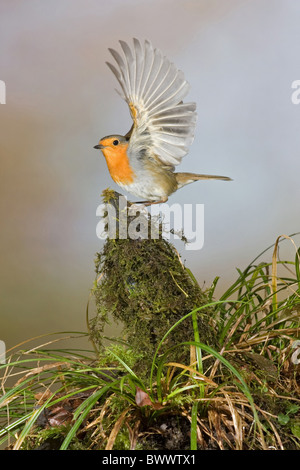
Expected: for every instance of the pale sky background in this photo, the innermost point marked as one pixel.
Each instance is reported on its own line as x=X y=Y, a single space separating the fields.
x=240 y=58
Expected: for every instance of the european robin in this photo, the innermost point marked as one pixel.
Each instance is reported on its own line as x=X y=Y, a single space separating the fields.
x=143 y=161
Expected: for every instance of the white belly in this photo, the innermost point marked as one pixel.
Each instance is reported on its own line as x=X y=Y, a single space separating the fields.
x=146 y=190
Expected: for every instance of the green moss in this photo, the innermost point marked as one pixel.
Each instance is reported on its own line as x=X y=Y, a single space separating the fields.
x=145 y=287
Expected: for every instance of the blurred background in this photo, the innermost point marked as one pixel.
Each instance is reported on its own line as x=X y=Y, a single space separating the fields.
x=240 y=58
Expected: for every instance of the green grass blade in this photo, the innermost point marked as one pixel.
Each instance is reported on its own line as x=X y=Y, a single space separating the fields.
x=154 y=365
x=178 y=391
x=84 y=409
x=194 y=416
x=26 y=430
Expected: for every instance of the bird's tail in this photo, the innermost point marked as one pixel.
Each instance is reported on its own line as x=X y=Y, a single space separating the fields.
x=187 y=178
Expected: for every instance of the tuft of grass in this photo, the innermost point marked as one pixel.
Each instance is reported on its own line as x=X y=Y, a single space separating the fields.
x=242 y=394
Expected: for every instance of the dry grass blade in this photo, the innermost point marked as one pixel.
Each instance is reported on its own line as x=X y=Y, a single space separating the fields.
x=256 y=339
x=133 y=433
x=216 y=364
x=237 y=423
x=116 y=429
x=274 y=266
x=273 y=429
x=230 y=334
x=37 y=370
x=194 y=373
x=206 y=431
x=193 y=356
x=214 y=419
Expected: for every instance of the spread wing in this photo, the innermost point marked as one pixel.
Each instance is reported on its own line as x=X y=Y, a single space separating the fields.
x=154 y=89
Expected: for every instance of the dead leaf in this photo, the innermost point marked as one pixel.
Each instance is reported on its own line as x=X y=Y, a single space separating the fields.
x=142 y=399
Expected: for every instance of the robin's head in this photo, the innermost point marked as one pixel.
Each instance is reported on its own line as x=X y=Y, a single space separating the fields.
x=112 y=145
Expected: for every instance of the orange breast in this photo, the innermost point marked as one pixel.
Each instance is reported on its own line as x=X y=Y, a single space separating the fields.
x=118 y=164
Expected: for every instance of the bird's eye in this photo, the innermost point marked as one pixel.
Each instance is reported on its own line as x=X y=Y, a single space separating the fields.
x=115 y=142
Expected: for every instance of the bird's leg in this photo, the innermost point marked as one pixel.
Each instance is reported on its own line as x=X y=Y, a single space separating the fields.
x=149 y=203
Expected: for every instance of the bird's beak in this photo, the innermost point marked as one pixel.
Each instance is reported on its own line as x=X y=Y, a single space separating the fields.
x=99 y=146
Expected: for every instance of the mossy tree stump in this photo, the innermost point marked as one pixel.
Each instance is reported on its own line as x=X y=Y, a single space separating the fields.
x=144 y=285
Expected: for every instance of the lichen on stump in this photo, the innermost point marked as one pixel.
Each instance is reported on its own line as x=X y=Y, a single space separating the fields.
x=144 y=285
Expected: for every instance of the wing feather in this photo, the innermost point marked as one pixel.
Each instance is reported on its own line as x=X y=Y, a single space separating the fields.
x=148 y=62
x=154 y=89
x=163 y=86
x=153 y=75
x=159 y=80
x=139 y=65
x=130 y=66
x=120 y=80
